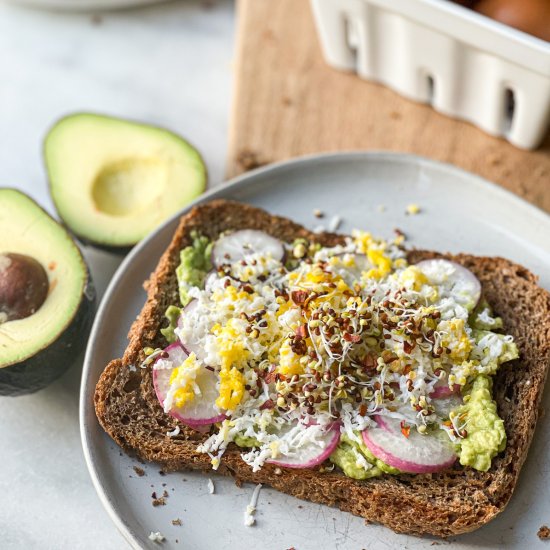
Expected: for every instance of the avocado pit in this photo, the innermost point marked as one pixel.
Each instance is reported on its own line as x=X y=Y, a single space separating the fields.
x=23 y=286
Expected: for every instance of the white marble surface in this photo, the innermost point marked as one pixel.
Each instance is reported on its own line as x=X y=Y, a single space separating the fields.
x=169 y=65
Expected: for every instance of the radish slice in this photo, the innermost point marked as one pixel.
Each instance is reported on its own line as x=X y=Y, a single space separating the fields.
x=458 y=281
x=444 y=405
x=201 y=410
x=202 y=428
x=310 y=454
x=242 y=244
x=443 y=390
x=381 y=421
x=416 y=454
x=192 y=344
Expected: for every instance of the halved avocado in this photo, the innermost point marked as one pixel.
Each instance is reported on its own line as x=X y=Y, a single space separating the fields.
x=113 y=181
x=47 y=300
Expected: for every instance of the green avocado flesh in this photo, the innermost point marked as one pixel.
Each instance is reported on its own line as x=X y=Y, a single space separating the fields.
x=37 y=348
x=194 y=264
x=486 y=434
x=114 y=181
x=356 y=460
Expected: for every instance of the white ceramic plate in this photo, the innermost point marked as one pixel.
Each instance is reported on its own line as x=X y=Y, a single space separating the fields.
x=459 y=212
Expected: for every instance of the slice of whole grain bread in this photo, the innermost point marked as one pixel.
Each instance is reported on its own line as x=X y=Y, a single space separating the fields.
x=455 y=501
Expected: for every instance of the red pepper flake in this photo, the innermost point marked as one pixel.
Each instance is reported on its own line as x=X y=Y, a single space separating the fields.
x=405 y=430
x=353 y=338
x=270 y=377
x=298 y=296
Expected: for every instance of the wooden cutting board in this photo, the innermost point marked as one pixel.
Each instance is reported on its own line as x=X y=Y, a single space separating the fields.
x=288 y=102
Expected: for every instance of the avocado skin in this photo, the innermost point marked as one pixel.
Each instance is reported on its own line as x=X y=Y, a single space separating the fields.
x=48 y=364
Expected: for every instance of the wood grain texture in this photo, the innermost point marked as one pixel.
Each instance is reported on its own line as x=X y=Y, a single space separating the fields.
x=288 y=102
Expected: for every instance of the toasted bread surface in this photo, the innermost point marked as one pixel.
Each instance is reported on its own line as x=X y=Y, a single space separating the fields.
x=451 y=502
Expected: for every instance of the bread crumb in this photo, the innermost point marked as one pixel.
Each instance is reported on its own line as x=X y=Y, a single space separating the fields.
x=211 y=487
x=139 y=471
x=156 y=536
x=176 y=521
x=544 y=533
x=381 y=208
x=278 y=471
x=318 y=213
x=159 y=502
x=412 y=209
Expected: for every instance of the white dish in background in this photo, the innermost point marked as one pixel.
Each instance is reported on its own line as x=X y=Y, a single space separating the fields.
x=459 y=212
x=434 y=51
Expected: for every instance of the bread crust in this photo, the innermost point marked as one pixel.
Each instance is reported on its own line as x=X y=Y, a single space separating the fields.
x=447 y=503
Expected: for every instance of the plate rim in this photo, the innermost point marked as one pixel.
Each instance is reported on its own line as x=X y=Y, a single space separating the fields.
x=225 y=188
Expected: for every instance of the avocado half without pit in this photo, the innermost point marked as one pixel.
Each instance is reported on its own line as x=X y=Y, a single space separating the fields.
x=47 y=299
x=113 y=181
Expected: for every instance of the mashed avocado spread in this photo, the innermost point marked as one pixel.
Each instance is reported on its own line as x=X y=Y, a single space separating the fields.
x=194 y=264
x=244 y=441
x=356 y=461
x=172 y=314
x=352 y=457
x=476 y=430
x=485 y=429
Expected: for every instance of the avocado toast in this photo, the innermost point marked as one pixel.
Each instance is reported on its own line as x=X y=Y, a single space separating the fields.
x=454 y=500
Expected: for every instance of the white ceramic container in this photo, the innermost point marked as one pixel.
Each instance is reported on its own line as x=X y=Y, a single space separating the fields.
x=434 y=51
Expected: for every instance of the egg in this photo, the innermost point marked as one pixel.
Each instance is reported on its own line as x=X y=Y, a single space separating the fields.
x=530 y=16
